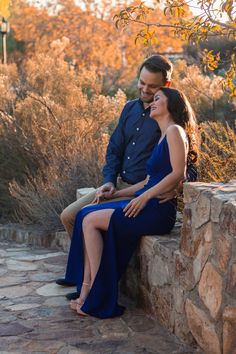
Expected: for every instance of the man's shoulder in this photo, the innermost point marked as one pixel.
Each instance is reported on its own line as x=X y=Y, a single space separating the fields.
x=133 y=102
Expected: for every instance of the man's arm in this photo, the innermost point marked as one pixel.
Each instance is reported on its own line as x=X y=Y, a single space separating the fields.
x=114 y=159
x=115 y=150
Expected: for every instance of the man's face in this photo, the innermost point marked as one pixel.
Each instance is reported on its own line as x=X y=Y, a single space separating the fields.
x=148 y=84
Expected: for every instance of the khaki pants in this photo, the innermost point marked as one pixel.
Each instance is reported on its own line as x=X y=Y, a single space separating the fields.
x=69 y=213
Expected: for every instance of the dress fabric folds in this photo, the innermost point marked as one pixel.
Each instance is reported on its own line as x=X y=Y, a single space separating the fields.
x=121 y=239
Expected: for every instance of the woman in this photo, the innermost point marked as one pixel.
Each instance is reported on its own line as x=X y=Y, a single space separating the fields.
x=106 y=235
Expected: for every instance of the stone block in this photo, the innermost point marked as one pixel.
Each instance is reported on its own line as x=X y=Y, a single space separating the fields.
x=184 y=271
x=181 y=329
x=229 y=330
x=222 y=251
x=201 y=209
x=61 y=241
x=186 y=245
x=191 y=193
x=202 y=329
x=202 y=247
x=231 y=281
x=163 y=306
x=217 y=202
x=210 y=289
x=228 y=218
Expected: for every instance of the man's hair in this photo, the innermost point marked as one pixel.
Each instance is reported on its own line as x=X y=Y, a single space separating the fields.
x=158 y=64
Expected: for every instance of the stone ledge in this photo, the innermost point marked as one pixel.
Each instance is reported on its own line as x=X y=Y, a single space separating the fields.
x=187 y=279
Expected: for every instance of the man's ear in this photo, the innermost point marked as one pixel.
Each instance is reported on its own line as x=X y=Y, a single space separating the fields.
x=168 y=83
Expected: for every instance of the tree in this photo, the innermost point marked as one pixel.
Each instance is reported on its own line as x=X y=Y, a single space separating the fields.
x=212 y=20
x=93 y=38
x=4 y=8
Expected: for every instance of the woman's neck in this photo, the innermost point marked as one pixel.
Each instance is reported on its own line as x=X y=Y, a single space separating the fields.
x=164 y=123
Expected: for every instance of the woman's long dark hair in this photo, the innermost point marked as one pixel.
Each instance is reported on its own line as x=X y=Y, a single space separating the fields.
x=183 y=115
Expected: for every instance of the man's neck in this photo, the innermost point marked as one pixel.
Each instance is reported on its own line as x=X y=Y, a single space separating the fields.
x=146 y=105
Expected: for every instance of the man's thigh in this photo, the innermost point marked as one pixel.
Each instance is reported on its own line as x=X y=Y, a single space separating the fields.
x=76 y=206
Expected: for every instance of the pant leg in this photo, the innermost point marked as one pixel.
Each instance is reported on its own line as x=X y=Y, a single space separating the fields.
x=69 y=213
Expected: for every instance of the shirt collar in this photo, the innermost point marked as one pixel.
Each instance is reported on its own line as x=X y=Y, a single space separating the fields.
x=141 y=104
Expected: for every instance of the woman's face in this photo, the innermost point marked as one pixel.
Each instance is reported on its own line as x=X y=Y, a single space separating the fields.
x=159 y=105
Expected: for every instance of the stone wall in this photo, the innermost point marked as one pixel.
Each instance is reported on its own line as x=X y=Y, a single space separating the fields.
x=188 y=280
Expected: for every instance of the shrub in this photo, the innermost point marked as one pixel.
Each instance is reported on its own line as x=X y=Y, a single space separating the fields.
x=58 y=130
x=55 y=127
x=218 y=152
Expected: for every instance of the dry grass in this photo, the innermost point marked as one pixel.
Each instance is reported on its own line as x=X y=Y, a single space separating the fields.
x=54 y=125
x=59 y=129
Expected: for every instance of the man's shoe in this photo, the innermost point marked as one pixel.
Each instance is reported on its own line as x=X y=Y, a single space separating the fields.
x=72 y=296
x=64 y=282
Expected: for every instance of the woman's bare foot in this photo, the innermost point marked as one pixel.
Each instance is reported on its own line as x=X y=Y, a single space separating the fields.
x=75 y=304
x=80 y=312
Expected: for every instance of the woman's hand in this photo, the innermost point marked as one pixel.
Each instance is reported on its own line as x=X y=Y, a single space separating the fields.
x=136 y=205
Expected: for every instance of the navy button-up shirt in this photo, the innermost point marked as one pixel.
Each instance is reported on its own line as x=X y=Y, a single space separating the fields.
x=132 y=143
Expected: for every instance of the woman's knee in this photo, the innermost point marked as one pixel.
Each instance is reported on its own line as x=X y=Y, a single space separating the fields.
x=98 y=219
x=88 y=221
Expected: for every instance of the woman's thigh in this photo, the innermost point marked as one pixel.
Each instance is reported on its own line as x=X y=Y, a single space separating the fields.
x=98 y=219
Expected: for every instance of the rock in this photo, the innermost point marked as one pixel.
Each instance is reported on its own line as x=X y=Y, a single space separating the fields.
x=202 y=329
x=229 y=330
x=202 y=250
x=231 y=281
x=54 y=290
x=186 y=246
x=222 y=251
x=12 y=292
x=210 y=289
x=20 y=266
x=228 y=218
x=13 y=329
x=201 y=210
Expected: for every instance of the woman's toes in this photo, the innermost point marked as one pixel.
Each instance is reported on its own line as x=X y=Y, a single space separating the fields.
x=75 y=303
x=80 y=312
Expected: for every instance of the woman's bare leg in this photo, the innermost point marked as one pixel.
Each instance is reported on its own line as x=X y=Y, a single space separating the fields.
x=92 y=225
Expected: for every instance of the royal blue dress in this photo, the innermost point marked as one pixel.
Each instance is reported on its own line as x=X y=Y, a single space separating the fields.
x=121 y=239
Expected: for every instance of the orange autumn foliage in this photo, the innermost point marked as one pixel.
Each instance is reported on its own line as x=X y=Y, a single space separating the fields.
x=93 y=38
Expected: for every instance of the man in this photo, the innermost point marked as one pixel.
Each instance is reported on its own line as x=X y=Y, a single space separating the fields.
x=130 y=144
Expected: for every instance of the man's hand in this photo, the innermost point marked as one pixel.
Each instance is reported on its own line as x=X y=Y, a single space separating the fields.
x=104 y=192
x=136 y=205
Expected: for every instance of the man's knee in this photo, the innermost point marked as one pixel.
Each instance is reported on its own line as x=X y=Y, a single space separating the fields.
x=66 y=217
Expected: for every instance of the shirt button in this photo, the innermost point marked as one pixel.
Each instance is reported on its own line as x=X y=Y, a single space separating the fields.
x=143 y=114
x=124 y=172
x=128 y=157
x=133 y=142
x=137 y=129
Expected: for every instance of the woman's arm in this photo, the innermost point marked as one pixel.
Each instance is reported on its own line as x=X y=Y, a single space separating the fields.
x=176 y=139
x=129 y=191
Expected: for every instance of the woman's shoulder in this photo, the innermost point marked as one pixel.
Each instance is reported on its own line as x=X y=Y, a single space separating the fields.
x=174 y=131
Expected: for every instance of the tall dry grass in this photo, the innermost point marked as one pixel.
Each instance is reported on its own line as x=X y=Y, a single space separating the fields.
x=54 y=124
x=58 y=129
